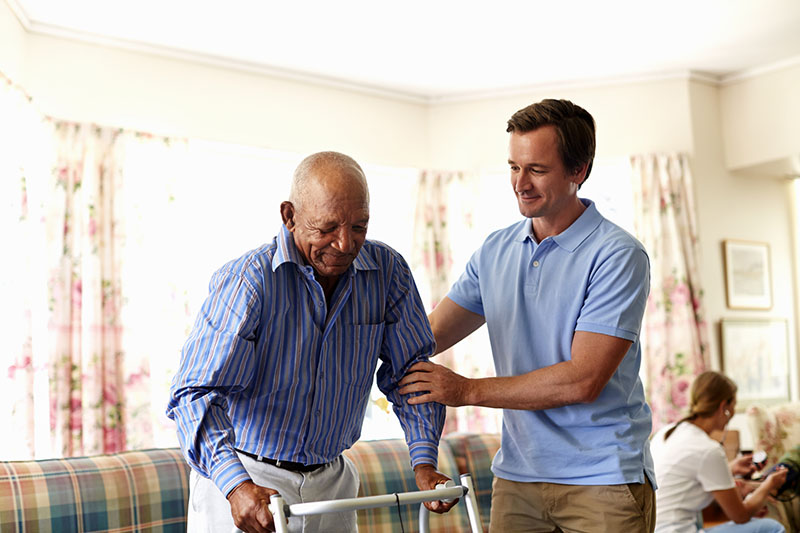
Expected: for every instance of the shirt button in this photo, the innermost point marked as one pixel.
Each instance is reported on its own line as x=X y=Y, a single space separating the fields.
x=318 y=412
x=536 y=263
x=319 y=304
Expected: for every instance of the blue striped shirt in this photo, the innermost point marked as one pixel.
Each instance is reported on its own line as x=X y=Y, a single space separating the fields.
x=269 y=369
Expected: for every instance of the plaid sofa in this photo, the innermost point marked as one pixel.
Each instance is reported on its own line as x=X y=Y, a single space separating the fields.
x=148 y=490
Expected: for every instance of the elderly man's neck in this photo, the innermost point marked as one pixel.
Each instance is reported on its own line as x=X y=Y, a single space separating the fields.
x=328 y=284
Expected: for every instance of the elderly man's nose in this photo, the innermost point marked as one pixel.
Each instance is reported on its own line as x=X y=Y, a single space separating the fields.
x=344 y=241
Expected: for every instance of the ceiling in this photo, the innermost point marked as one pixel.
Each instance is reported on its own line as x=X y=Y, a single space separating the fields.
x=440 y=49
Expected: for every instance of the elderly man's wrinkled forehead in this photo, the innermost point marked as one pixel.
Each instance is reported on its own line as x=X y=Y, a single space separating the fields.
x=328 y=171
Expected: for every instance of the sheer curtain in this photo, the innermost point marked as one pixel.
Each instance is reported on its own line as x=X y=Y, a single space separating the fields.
x=675 y=333
x=445 y=235
x=26 y=160
x=76 y=382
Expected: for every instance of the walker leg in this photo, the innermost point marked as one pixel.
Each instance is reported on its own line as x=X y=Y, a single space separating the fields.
x=424 y=519
x=277 y=508
x=471 y=501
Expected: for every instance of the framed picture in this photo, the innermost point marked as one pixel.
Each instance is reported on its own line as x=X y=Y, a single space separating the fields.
x=755 y=354
x=747 y=275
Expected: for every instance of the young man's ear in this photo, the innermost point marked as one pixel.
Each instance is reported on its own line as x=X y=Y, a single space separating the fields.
x=579 y=174
x=287 y=215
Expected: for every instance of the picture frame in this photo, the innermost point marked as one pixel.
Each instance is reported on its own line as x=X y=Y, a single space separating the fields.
x=748 y=280
x=755 y=355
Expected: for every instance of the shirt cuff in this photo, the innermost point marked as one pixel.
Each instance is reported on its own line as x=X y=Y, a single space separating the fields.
x=424 y=452
x=228 y=474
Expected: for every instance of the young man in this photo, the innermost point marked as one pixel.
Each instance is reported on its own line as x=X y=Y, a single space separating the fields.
x=562 y=294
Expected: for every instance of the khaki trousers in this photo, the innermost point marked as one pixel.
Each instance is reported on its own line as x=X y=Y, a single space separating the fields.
x=210 y=512
x=550 y=507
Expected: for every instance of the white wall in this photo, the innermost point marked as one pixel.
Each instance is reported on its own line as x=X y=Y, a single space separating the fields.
x=472 y=134
x=734 y=206
x=12 y=44
x=761 y=117
x=88 y=83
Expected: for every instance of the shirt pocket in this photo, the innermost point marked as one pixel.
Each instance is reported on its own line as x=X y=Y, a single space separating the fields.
x=362 y=359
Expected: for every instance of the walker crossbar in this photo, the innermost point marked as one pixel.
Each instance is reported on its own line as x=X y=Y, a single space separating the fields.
x=281 y=512
x=372 y=502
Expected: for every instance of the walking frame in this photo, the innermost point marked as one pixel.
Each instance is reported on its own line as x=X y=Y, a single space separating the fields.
x=281 y=512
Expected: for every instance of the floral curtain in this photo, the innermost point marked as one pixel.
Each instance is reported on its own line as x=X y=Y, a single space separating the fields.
x=674 y=333
x=444 y=209
x=82 y=231
x=78 y=382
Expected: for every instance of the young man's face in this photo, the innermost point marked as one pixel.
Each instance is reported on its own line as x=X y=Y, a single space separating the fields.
x=542 y=185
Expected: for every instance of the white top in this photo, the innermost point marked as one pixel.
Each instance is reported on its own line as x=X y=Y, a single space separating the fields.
x=689 y=466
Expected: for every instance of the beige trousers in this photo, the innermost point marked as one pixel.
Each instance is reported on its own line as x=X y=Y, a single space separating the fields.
x=550 y=507
x=210 y=512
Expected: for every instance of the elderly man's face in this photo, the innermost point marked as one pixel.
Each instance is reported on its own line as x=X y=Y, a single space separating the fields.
x=330 y=225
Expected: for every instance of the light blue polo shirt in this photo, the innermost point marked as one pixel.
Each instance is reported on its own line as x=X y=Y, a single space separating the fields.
x=592 y=277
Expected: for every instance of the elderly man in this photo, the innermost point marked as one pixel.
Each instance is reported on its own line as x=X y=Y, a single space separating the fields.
x=275 y=376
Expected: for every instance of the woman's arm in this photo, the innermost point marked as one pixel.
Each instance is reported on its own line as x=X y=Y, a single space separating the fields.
x=740 y=511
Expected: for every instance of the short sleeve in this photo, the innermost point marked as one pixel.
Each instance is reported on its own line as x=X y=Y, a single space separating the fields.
x=616 y=295
x=466 y=292
x=714 y=472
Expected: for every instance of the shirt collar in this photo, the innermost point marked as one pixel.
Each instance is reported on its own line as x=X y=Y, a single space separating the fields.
x=286 y=252
x=575 y=234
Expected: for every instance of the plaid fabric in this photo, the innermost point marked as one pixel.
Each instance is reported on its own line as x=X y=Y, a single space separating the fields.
x=473 y=453
x=132 y=491
x=384 y=467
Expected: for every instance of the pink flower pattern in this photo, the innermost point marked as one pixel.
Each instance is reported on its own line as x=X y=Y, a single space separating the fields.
x=674 y=330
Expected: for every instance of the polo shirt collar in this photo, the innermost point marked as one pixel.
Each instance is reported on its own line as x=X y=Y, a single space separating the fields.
x=286 y=252
x=575 y=234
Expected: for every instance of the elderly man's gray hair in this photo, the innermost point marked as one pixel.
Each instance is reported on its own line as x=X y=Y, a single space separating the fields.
x=305 y=172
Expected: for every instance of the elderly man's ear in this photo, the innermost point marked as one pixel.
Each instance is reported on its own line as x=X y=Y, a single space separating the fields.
x=287 y=214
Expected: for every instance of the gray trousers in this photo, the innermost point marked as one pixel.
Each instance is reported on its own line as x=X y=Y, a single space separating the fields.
x=210 y=512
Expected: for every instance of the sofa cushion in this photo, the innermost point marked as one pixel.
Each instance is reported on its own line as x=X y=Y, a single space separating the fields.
x=131 y=491
x=775 y=429
x=384 y=467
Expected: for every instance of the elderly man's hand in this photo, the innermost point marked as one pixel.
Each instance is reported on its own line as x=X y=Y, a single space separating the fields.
x=437 y=383
x=249 y=507
x=427 y=477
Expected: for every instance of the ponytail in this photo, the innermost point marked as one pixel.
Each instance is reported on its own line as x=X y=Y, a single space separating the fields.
x=709 y=389
x=686 y=418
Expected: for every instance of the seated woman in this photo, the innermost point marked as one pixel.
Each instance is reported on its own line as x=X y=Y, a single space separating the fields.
x=692 y=470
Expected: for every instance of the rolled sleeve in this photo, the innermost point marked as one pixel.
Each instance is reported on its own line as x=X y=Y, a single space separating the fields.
x=408 y=339
x=216 y=361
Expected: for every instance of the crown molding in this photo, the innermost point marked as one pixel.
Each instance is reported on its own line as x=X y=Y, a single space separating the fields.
x=760 y=71
x=588 y=83
x=20 y=13
x=51 y=30
x=39 y=28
